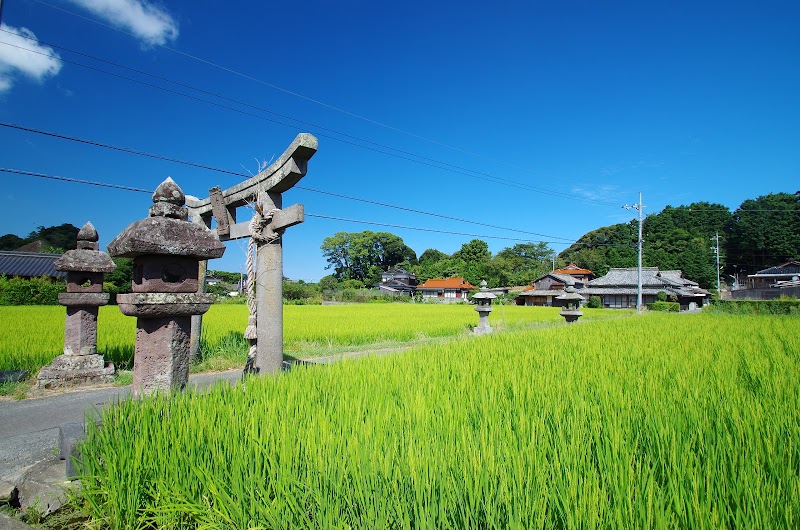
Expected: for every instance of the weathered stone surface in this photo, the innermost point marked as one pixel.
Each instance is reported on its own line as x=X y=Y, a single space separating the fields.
x=83 y=299
x=84 y=282
x=162 y=235
x=88 y=234
x=44 y=486
x=162 y=355
x=9 y=523
x=157 y=305
x=75 y=370
x=69 y=434
x=165 y=274
x=85 y=260
x=6 y=491
x=80 y=330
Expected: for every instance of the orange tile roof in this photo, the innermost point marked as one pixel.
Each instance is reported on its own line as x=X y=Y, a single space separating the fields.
x=447 y=283
x=572 y=269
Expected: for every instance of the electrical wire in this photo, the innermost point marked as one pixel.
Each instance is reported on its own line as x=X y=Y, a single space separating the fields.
x=319 y=216
x=74 y=180
x=380 y=148
x=281 y=89
x=239 y=174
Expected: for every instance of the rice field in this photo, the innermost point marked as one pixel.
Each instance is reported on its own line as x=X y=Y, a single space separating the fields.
x=31 y=336
x=662 y=421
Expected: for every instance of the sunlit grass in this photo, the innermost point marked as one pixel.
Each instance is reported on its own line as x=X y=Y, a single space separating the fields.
x=31 y=336
x=663 y=421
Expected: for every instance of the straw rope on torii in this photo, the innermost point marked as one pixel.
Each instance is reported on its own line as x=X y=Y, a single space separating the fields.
x=257 y=225
x=265 y=250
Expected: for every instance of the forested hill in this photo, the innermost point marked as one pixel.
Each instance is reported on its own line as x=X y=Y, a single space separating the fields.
x=760 y=233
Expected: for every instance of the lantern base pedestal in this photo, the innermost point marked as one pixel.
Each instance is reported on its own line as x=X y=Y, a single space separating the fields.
x=75 y=370
x=161 y=358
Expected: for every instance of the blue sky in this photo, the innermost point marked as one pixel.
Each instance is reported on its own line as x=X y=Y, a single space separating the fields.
x=594 y=101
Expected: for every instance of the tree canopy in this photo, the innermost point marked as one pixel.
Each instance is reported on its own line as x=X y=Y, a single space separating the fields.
x=760 y=233
x=55 y=238
x=363 y=256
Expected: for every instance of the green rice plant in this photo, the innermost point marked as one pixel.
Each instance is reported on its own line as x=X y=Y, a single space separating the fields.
x=31 y=336
x=662 y=421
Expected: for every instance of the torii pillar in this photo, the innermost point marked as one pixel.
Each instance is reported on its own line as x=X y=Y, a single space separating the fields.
x=264 y=191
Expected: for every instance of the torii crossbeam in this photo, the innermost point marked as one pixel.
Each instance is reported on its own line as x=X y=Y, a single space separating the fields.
x=263 y=191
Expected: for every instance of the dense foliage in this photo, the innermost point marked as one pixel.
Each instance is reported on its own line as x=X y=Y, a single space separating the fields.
x=589 y=428
x=757 y=307
x=56 y=239
x=760 y=233
x=363 y=256
x=34 y=291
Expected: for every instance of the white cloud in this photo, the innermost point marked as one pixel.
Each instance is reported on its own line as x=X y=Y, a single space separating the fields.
x=144 y=19
x=596 y=192
x=21 y=53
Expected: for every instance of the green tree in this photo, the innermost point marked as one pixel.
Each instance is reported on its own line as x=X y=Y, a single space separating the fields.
x=521 y=264
x=764 y=232
x=62 y=237
x=11 y=242
x=364 y=255
x=432 y=255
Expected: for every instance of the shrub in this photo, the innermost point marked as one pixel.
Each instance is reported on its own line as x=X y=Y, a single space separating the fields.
x=36 y=291
x=665 y=306
x=661 y=296
x=594 y=302
x=781 y=306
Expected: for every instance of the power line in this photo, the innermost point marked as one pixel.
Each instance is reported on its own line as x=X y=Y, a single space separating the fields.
x=375 y=223
x=128 y=188
x=281 y=89
x=67 y=179
x=239 y=174
x=400 y=154
x=405 y=227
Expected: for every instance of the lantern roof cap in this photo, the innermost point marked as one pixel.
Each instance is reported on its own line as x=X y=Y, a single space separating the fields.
x=484 y=292
x=570 y=293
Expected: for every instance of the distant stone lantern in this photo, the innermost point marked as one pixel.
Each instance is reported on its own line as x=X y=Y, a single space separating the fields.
x=572 y=305
x=483 y=305
x=80 y=363
x=166 y=251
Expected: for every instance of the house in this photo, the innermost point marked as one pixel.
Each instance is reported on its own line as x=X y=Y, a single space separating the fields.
x=398 y=281
x=545 y=289
x=29 y=265
x=769 y=278
x=618 y=289
x=774 y=282
x=581 y=275
x=449 y=290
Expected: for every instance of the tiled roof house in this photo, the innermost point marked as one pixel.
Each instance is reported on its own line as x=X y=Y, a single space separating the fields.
x=766 y=278
x=446 y=289
x=29 y=264
x=398 y=281
x=576 y=272
x=618 y=288
x=547 y=287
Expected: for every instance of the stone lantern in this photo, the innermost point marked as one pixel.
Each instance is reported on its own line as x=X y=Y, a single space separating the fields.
x=80 y=363
x=166 y=251
x=483 y=305
x=572 y=305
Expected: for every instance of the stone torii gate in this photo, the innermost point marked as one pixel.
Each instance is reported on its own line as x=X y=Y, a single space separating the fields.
x=262 y=192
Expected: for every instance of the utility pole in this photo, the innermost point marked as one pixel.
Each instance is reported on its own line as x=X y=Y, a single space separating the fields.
x=716 y=251
x=638 y=207
x=554 y=262
x=1 y=12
